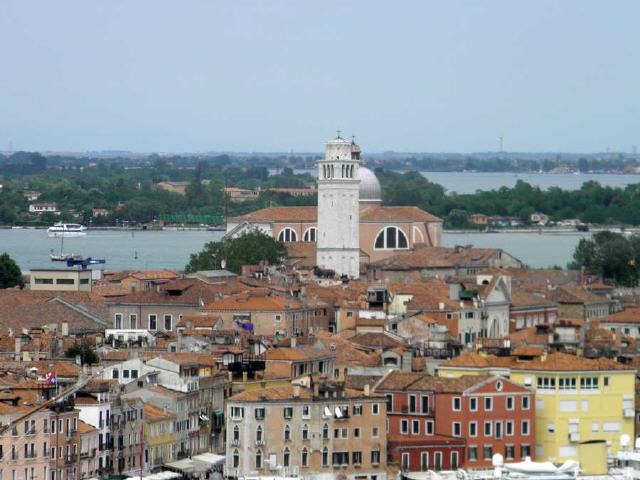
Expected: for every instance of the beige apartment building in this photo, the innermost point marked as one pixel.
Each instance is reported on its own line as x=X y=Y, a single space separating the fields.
x=317 y=432
x=60 y=279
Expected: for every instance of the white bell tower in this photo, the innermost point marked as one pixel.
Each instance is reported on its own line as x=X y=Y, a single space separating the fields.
x=338 y=243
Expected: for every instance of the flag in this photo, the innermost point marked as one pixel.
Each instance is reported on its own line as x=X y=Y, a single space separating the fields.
x=51 y=379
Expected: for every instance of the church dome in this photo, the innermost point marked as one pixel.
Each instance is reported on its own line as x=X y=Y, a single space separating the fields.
x=370 y=191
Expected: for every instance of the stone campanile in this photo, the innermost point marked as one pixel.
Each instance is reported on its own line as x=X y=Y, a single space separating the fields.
x=338 y=243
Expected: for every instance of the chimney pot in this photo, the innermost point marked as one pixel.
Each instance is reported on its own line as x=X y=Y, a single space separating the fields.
x=366 y=390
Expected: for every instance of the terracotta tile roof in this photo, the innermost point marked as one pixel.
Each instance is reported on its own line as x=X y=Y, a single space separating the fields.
x=297 y=354
x=577 y=294
x=559 y=361
x=347 y=352
x=430 y=440
x=358 y=382
x=310 y=215
x=198 y=321
x=115 y=356
x=85 y=428
x=530 y=336
x=410 y=381
x=183 y=358
x=256 y=303
x=397 y=214
x=438 y=257
x=543 y=276
x=629 y=315
x=527 y=351
x=523 y=299
x=378 y=340
x=475 y=360
x=277 y=370
x=280 y=214
x=398 y=380
x=153 y=413
x=286 y=392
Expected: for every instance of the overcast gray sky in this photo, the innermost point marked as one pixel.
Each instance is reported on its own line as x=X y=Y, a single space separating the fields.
x=277 y=75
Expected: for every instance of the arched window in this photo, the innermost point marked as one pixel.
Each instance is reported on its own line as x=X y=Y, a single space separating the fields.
x=259 y=433
x=325 y=431
x=310 y=234
x=324 y=171
x=391 y=238
x=305 y=432
x=305 y=457
x=287 y=433
x=344 y=174
x=332 y=171
x=236 y=434
x=286 y=457
x=287 y=234
x=259 y=459
x=236 y=458
x=325 y=457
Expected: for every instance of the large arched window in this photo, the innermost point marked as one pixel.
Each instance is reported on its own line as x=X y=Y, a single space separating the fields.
x=325 y=457
x=391 y=238
x=305 y=457
x=325 y=431
x=310 y=234
x=286 y=457
x=287 y=234
x=259 y=459
x=236 y=458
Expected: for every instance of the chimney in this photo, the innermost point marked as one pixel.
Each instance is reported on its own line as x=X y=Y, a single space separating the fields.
x=366 y=390
x=230 y=376
x=64 y=327
x=316 y=389
x=18 y=345
x=296 y=391
x=294 y=342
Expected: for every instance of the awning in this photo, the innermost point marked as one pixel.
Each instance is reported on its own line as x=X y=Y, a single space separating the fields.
x=164 y=475
x=189 y=465
x=211 y=458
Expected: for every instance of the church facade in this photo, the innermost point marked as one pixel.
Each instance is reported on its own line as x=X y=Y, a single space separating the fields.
x=350 y=226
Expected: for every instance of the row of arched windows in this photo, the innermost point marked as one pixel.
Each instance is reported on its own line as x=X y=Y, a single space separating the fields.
x=288 y=234
x=389 y=238
x=286 y=458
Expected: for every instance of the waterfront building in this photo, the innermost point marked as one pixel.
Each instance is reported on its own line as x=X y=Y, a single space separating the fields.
x=577 y=399
x=318 y=431
x=350 y=225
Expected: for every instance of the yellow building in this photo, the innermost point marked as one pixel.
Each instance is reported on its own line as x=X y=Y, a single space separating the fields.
x=159 y=437
x=577 y=399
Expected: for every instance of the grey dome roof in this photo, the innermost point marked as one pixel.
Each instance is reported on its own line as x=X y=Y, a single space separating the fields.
x=370 y=190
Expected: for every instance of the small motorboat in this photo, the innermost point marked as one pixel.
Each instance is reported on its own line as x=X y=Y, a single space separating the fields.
x=67 y=230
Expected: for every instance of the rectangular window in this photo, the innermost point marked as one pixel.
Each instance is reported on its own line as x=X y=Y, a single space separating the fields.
x=456 y=429
x=525 y=451
x=488 y=404
x=472 y=453
x=473 y=429
x=133 y=321
x=153 y=322
x=415 y=427
x=424 y=400
x=508 y=428
x=237 y=413
x=456 y=404
x=498 y=430
x=424 y=461
x=510 y=403
x=168 y=322
x=288 y=412
x=428 y=427
x=412 y=404
x=509 y=452
x=118 y=320
x=525 y=427
x=357 y=458
x=437 y=461
x=605 y=380
x=588 y=383
x=405 y=461
x=525 y=403
x=357 y=410
x=488 y=427
x=568 y=383
x=473 y=404
x=65 y=281
x=375 y=457
x=389 y=402
x=404 y=426
x=546 y=383
x=375 y=409
x=487 y=452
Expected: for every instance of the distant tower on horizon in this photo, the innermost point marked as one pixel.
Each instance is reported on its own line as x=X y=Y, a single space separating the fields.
x=338 y=243
x=501 y=146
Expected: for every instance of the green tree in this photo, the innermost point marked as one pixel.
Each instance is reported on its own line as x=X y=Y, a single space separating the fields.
x=87 y=355
x=247 y=249
x=10 y=274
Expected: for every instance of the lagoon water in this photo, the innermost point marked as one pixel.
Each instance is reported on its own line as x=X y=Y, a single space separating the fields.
x=171 y=249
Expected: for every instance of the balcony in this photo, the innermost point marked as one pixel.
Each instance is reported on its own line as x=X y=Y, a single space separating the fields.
x=235 y=443
x=628 y=413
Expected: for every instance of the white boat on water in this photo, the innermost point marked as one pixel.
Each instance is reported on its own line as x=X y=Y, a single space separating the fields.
x=67 y=230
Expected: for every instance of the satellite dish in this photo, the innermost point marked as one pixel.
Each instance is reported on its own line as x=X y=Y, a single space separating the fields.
x=497 y=460
x=625 y=440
